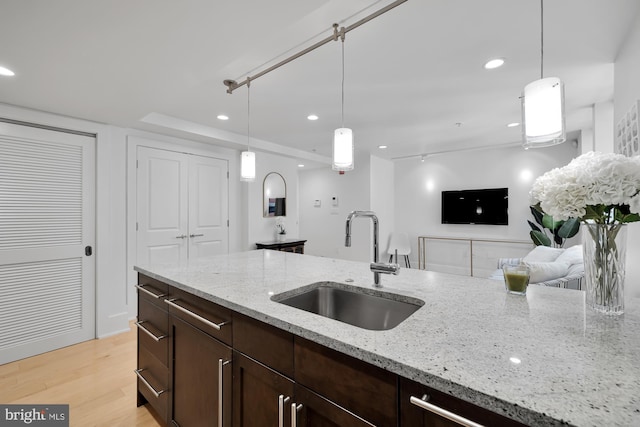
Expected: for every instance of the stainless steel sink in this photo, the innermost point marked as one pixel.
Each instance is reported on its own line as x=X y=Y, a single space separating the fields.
x=365 y=308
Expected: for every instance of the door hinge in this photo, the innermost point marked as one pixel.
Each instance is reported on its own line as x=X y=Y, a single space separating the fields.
x=137 y=163
x=136 y=226
x=227 y=174
x=227 y=223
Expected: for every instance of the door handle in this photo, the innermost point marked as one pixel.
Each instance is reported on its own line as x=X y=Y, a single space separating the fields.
x=195 y=235
x=182 y=236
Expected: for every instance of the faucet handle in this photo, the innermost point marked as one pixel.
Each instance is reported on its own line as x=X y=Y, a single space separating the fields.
x=383 y=267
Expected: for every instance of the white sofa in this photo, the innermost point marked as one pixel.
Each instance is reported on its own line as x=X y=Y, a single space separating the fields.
x=559 y=267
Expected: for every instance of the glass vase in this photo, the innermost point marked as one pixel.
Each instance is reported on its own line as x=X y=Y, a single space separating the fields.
x=605 y=250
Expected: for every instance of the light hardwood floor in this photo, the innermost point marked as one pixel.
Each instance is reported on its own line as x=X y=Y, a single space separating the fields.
x=95 y=378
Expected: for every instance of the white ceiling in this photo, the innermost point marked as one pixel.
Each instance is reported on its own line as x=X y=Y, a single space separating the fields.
x=411 y=74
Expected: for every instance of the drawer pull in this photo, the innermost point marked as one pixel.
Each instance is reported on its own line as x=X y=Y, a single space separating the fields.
x=221 y=364
x=195 y=235
x=281 y=401
x=156 y=296
x=172 y=303
x=153 y=390
x=294 y=414
x=148 y=332
x=422 y=403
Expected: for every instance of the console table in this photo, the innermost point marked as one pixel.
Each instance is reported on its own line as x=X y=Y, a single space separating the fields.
x=467 y=256
x=289 y=245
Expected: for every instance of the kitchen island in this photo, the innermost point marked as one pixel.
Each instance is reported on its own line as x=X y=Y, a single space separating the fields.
x=542 y=359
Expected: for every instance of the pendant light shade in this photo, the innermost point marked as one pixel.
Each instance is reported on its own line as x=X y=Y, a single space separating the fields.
x=543 y=121
x=543 y=113
x=343 y=149
x=248 y=166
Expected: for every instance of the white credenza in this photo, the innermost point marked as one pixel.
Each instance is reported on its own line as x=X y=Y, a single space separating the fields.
x=467 y=256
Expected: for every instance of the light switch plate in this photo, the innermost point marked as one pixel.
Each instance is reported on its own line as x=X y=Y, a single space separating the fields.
x=334 y=201
x=317 y=203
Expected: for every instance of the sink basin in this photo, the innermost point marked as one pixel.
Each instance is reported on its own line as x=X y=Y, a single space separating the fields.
x=364 y=308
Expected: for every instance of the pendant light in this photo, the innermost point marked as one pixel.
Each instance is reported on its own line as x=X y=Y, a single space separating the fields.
x=342 y=137
x=543 y=117
x=248 y=158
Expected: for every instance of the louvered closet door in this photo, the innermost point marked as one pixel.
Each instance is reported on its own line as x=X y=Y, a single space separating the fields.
x=47 y=217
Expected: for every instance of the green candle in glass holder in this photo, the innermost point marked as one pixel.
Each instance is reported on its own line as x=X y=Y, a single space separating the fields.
x=516 y=278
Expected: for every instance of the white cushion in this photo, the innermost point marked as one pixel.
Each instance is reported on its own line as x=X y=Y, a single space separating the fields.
x=543 y=254
x=572 y=255
x=576 y=269
x=544 y=271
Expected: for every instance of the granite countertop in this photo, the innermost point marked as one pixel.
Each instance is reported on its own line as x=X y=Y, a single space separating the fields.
x=575 y=366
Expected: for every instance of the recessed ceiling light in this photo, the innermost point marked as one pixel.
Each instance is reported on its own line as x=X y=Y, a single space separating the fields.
x=300 y=165
x=382 y=147
x=312 y=117
x=6 y=72
x=494 y=63
x=223 y=117
x=512 y=125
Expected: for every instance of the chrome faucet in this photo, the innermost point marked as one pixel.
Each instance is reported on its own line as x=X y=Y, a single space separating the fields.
x=376 y=267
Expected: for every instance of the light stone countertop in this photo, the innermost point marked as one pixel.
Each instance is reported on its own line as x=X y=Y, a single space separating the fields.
x=577 y=367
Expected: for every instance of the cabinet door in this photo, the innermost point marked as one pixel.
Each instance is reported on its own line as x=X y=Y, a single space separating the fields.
x=196 y=383
x=314 y=410
x=415 y=416
x=260 y=395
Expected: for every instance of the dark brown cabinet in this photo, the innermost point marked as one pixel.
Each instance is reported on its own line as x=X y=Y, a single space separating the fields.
x=202 y=364
x=261 y=396
x=153 y=349
x=200 y=377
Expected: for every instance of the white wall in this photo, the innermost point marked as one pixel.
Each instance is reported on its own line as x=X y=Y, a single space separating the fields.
x=324 y=226
x=627 y=91
x=418 y=187
x=260 y=229
x=382 y=192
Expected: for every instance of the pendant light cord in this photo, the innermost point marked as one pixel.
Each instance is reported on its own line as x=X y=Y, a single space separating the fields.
x=342 y=82
x=248 y=111
x=541 y=39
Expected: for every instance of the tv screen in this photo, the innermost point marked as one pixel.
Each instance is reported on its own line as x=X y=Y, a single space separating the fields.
x=487 y=206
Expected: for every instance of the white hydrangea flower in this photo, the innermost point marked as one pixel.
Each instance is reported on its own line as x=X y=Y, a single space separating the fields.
x=589 y=180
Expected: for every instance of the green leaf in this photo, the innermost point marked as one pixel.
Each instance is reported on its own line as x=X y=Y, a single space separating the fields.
x=548 y=222
x=539 y=238
x=630 y=218
x=533 y=226
x=569 y=228
x=537 y=213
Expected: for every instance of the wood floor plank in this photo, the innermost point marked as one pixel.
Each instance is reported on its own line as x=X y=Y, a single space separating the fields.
x=95 y=378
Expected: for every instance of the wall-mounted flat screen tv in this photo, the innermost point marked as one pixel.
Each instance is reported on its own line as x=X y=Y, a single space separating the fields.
x=487 y=206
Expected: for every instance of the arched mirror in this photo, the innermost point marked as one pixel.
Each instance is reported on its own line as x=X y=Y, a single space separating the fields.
x=274 y=193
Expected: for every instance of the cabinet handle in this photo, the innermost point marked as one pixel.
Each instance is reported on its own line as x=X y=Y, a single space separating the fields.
x=148 y=332
x=217 y=326
x=153 y=390
x=156 y=296
x=221 y=364
x=182 y=236
x=281 y=401
x=294 y=414
x=422 y=403
x=195 y=235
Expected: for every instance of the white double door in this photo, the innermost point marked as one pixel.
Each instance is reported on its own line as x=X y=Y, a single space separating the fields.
x=182 y=206
x=47 y=235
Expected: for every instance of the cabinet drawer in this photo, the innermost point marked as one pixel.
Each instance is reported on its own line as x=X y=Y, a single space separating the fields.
x=414 y=416
x=365 y=390
x=250 y=336
x=153 y=329
x=152 y=290
x=153 y=380
x=202 y=314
